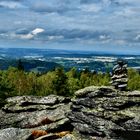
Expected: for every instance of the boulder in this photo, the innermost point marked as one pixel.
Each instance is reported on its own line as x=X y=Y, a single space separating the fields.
x=32 y=112
x=95 y=113
x=106 y=113
x=34 y=117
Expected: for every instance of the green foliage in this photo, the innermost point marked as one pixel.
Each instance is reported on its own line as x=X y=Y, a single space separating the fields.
x=20 y=65
x=73 y=80
x=45 y=84
x=85 y=79
x=133 y=80
x=14 y=82
x=60 y=82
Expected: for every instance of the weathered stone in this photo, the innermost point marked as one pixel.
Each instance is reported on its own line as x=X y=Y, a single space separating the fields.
x=133 y=94
x=37 y=114
x=34 y=100
x=68 y=137
x=106 y=113
x=119 y=75
x=94 y=91
x=132 y=125
x=100 y=113
x=61 y=125
x=15 y=134
x=33 y=119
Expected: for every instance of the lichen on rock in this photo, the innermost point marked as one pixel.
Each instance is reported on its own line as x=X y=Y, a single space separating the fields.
x=107 y=113
x=95 y=113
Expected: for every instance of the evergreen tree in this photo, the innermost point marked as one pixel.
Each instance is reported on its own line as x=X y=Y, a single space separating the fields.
x=45 y=84
x=20 y=65
x=73 y=81
x=60 y=83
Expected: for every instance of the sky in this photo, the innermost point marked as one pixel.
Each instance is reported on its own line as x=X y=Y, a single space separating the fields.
x=92 y=25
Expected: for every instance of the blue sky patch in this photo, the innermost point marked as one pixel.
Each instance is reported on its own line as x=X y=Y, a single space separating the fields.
x=65 y=24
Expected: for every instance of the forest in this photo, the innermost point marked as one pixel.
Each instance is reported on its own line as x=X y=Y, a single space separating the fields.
x=16 y=82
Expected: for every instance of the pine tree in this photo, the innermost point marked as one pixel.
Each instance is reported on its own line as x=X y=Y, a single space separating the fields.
x=60 y=83
x=20 y=65
x=73 y=81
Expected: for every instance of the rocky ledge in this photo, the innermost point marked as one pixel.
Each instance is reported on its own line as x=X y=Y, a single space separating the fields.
x=33 y=117
x=95 y=113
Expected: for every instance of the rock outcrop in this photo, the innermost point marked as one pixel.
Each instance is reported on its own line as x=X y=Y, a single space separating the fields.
x=95 y=113
x=103 y=112
x=34 y=117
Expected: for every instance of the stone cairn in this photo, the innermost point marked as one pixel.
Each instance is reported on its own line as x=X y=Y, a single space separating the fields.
x=119 y=75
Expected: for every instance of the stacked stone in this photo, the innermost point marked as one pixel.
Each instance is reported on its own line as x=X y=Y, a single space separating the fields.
x=119 y=75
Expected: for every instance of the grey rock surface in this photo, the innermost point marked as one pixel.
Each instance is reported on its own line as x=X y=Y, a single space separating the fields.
x=35 y=116
x=119 y=75
x=31 y=112
x=15 y=134
x=95 y=113
x=68 y=137
x=106 y=113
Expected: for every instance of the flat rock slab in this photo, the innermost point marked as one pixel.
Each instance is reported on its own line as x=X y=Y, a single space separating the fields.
x=106 y=113
x=34 y=100
x=95 y=113
x=33 y=119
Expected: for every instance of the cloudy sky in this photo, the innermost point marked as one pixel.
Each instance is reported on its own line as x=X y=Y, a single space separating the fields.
x=96 y=25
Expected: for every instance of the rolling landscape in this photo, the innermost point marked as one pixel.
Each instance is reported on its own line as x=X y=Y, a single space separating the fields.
x=44 y=60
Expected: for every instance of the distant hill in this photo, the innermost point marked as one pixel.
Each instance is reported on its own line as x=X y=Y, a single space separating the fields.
x=42 y=60
x=29 y=65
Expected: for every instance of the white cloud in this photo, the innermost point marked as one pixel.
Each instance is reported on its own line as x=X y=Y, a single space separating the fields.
x=137 y=38
x=128 y=1
x=104 y=37
x=127 y=12
x=90 y=21
x=91 y=8
x=50 y=38
x=120 y=42
x=95 y=6
x=28 y=36
x=32 y=34
x=37 y=31
x=11 y=4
